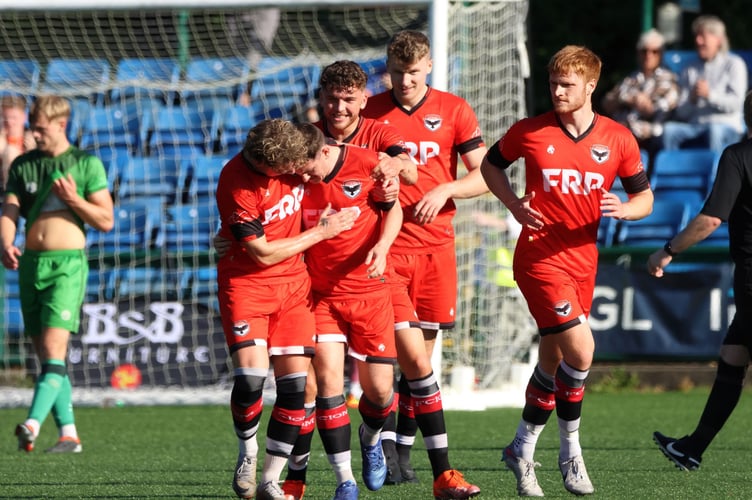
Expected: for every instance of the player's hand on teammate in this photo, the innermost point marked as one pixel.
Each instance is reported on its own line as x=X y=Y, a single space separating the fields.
x=387 y=190
x=387 y=167
x=334 y=222
x=221 y=245
x=525 y=214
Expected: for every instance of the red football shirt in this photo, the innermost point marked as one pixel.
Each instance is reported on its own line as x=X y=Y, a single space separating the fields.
x=337 y=266
x=374 y=135
x=252 y=205
x=437 y=130
x=566 y=174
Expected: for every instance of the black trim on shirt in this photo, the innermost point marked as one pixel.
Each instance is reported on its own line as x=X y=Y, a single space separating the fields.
x=470 y=145
x=636 y=183
x=414 y=108
x=494 y=157
x=395 y=150
x=384 y=206
x=242 y=230
x=584 y=134
x=338 y=165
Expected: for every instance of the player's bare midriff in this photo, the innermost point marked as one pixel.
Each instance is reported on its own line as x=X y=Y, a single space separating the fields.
x=56 y=230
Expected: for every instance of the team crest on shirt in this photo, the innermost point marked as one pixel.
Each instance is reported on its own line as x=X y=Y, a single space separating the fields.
x=352 y=188
x=241 y=329
x=563 y=308
x=432 y=122
x=599 y=153
x=31 y=187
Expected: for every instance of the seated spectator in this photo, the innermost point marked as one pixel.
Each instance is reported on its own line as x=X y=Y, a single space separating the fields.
x=709 y=114
x=646 y=97
x=14 y=137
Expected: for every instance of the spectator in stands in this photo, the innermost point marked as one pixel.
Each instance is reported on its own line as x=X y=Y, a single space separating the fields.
x=646 y=97
x=58 y=189
x=730 y=200
x=709 y=113
x=14 y=137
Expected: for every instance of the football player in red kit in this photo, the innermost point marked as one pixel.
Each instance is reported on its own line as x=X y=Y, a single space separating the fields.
x=342 y=97
x=572 y=156
x=352 y=300
x=264 y=293
x=439 y=128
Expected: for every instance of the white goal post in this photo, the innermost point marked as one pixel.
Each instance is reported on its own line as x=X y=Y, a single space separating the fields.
x=164 y=321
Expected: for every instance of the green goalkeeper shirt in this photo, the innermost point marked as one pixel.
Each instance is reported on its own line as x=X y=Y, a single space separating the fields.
x=30 y=172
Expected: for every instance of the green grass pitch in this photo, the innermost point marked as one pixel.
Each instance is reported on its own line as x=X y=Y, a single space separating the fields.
x=189 y=452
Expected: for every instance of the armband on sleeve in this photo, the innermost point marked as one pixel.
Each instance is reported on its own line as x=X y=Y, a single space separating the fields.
x=494 y=157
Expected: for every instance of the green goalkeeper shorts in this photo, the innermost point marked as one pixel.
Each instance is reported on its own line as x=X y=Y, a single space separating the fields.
x=52 y=286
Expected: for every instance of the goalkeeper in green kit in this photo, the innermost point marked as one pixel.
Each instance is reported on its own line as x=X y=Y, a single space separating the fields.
x=58 y=189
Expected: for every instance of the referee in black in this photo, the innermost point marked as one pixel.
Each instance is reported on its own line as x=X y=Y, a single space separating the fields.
x=729 y=200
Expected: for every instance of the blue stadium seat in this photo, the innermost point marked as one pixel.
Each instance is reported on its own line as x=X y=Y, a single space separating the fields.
x=91 y=76
x=284 y=85
x=375 y=69
x=19 y=77
x=100 y=285
x=201 y=176
x=154 y=78
x=13 y=318
x=668 y=217
x=208 y=77
x=80 y=108
x=684 y=170
x=112 y=125
x=114 y=158
x=151 y=177
x=235 y=123
x=134 y=230
x=11 y=283
x=606 y=232
x=677 y=60
x=185 y=130
x=200 y=285
x=200 y=282
x=189 y=228
x=151 y=282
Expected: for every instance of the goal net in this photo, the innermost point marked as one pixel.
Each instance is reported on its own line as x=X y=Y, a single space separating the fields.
x=166 y=95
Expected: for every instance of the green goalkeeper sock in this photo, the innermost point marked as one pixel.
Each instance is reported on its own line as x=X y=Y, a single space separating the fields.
x=47 y=389
x=62 y=409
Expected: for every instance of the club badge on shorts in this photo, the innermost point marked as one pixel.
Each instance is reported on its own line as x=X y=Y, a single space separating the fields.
x=563 y=308
x=241 y=329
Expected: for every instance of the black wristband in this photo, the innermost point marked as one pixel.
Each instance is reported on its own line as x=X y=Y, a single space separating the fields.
x=667 y=248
